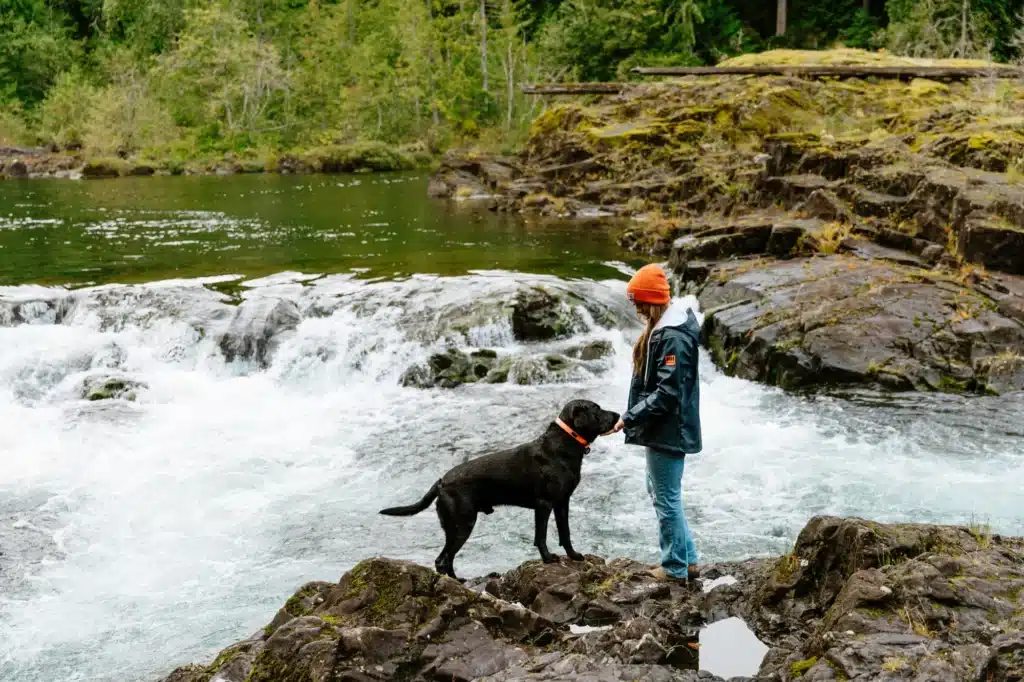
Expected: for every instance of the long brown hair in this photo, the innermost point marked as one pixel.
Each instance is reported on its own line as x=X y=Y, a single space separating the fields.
x=652 y=313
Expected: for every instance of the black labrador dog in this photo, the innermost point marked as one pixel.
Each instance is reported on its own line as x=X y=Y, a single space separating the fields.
x=540 y=475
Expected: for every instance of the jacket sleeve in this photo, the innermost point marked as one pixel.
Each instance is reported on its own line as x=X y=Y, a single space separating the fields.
x=674 y=356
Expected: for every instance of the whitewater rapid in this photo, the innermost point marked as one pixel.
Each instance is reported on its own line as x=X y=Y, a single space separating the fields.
x=141 y=535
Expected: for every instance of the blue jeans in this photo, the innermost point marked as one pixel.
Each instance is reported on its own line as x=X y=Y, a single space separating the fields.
x=664 y=483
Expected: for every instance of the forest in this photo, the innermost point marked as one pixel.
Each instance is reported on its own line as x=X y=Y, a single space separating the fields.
x=180 y=80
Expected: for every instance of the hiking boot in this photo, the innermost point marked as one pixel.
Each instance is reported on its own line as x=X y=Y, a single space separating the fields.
x=663 y=576
x=693 y=571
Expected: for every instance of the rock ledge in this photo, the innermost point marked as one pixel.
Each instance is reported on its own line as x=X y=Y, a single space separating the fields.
x=855 y=600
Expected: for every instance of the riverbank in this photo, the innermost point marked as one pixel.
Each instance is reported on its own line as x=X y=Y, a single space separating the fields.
x=854 y=600
x=837 y=232
x=363 y=157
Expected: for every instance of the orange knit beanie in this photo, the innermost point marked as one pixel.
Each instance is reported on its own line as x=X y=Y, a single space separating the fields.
x=649 y=285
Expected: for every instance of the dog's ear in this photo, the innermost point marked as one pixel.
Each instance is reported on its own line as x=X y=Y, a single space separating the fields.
x=580 y=409
x=584 y=416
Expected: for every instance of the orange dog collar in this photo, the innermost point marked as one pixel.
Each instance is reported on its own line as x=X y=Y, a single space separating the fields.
x=575 y=436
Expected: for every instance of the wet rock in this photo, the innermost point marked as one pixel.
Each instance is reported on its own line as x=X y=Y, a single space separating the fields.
x=189 y=673
x=791 y=190
x=895 y=239
x=16 y=169
x=116 y=308
x=993 y=242
x=470 y=654
x=1006 y=375
x=854 y=599
x=768 y=232
x=901 y=597
x=932 y=254
x=291 y=164
x=302 y=603
x=104 y=168
x=111 y=387
x=471 y=175
x=539 y=315
x=259 y=326
x=454 y=368
x=42 y=310
x=595 y=350
x=747 y=240
x=870 y=204
x=868 y=250
x=826 y=205
x=842 y=320
x=898 y=180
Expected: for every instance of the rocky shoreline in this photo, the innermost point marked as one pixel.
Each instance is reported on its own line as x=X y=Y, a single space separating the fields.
x=39 y=163
x=855 y=600
x=888 y=253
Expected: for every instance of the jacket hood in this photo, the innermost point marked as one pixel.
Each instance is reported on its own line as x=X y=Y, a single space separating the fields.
x=677 y=315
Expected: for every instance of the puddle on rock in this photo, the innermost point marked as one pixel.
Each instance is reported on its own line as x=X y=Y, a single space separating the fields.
x=729 y=648
x=587 y=629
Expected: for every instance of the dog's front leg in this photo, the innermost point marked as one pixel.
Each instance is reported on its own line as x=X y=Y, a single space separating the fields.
x=562 y=521
x=540 y=535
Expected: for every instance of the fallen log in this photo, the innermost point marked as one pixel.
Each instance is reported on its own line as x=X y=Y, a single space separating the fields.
x=893 y=72
x=574 y=88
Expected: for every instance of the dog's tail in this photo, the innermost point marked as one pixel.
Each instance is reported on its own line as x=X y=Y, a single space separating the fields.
x=414 y=508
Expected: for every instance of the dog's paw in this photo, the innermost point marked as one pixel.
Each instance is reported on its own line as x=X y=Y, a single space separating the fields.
x=575 y=556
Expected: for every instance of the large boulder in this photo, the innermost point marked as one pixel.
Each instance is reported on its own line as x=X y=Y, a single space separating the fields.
x=854 y=600
x=845 y=320
x=539 y=315
x=867 y=601
x=391 y=619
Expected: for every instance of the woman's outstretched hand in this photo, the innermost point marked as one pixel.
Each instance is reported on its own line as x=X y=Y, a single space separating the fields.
x=619 y=425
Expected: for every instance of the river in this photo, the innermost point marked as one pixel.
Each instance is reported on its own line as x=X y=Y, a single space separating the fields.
x=137 y=536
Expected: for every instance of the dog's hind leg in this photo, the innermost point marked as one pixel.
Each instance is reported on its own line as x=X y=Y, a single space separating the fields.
x=458 y=526
x=562 y=521
x=540 y=533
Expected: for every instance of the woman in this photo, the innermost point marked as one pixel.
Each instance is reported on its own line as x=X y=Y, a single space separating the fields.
x=663 y=414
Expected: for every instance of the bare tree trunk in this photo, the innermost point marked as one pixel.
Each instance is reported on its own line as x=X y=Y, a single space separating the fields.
x=780 y=18
x=435 y=114
x=483 y=41
x=965 y=8
x=510 y=78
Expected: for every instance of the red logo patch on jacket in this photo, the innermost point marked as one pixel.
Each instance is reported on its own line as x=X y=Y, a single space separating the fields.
x=670 y=361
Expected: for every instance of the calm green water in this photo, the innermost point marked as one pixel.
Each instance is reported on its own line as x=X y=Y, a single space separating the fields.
x=144 y=229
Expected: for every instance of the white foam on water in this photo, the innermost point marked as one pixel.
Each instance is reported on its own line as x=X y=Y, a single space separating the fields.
x=141 y=536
